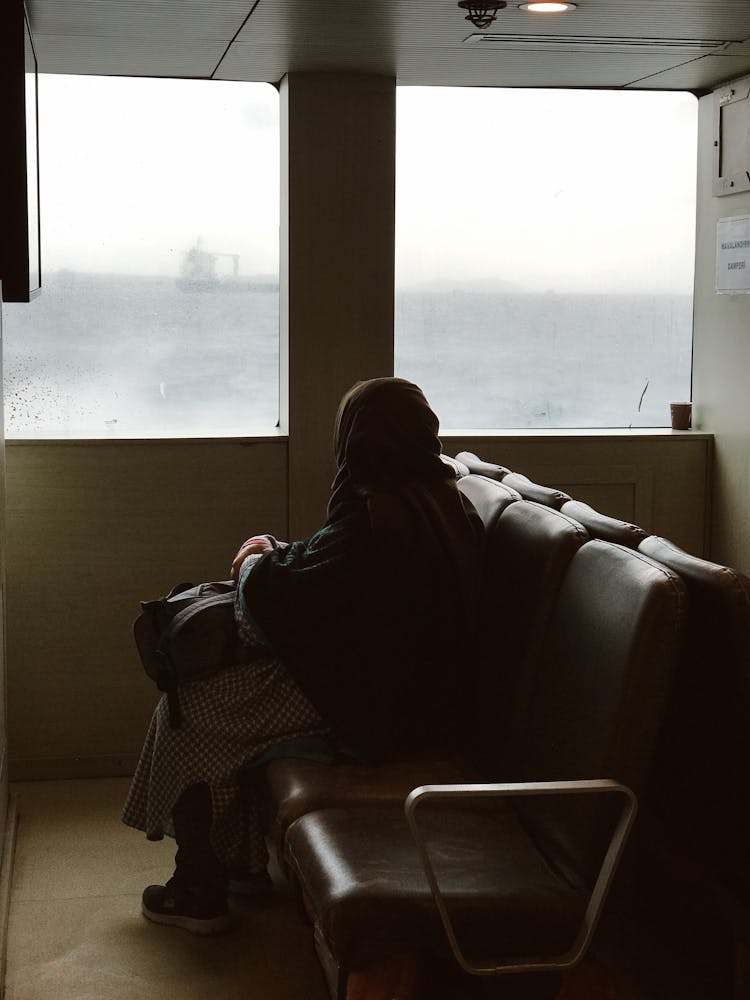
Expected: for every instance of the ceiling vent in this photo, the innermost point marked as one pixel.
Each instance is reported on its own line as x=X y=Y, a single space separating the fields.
x=592 y=43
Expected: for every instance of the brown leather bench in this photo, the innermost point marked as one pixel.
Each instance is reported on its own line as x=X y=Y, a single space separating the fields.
x=516 y=880
x=528 y=550
x=520 y=593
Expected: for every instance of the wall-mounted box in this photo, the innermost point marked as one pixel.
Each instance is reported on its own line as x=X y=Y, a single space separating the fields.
x=732 y=138
x=20 y=259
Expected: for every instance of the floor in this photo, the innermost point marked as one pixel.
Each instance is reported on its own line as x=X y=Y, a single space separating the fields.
x=76 y=931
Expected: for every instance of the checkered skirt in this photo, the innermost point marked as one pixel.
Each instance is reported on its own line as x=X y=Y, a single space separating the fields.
x=228 y=721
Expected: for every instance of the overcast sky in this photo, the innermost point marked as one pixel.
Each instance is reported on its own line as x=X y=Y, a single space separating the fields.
x=542 y=190
x=556 y=189
x=134 y=171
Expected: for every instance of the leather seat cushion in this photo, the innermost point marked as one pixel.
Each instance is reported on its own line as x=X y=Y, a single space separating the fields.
x=362 y=873
x=296 y=786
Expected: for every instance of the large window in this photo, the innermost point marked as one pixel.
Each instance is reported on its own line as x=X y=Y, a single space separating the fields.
x=545 y=254
x=159 y=310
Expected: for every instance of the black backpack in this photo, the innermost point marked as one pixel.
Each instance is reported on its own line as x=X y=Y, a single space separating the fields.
x=189 y=634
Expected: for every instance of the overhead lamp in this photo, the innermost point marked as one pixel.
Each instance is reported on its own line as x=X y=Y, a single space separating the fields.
x=482 y=12
x=547 y=6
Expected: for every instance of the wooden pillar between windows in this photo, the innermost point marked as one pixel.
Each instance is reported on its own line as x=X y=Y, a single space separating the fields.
x=337 y=264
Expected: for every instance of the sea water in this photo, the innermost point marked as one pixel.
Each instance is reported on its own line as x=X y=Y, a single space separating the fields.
x=129 y=356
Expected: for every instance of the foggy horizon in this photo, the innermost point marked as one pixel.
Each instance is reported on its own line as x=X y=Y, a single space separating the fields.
x=491 y=184
x=543 y=274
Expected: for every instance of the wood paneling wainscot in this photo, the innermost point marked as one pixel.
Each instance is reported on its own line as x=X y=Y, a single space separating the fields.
x=94 y=527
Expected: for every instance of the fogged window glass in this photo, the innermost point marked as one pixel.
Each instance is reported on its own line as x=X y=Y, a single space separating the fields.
x=544 y=254
x=159 y=307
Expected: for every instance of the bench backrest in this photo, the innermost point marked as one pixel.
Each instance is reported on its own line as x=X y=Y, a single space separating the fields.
x=528 y=550
x=609 y=529
x=458 y=467
x=528 y=489
x=528 y=554
x=699 y=783
x=600 y=690
x=477 y=467
x=489 y=498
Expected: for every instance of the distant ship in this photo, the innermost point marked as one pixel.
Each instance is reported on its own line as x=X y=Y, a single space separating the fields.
x=198 y=274
x=198 y=269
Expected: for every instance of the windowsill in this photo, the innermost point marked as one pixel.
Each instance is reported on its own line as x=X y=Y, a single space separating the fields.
x=575 y=433
x=273 y=434
x=277 y=435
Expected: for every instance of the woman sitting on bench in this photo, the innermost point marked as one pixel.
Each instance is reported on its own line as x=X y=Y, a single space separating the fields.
x=356 y=636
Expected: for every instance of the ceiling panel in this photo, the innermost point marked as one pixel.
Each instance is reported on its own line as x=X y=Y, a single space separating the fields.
x=249 y=62
x=422 y=41
x=701 y=74
x=430 y=22
x=167 y=19
x=126 y=56
x=457 y=67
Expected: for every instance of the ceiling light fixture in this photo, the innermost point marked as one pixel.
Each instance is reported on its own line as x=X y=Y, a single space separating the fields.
x=546 y=6
x=482 y=12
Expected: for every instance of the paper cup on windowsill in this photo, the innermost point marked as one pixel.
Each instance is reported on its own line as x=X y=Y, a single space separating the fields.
x=682 y=416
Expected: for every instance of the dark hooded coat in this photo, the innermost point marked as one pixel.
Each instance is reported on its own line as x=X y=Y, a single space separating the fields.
x=369 y=614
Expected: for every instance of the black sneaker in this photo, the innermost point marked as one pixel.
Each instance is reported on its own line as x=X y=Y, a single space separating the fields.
x=251 y=884
x=179 y=906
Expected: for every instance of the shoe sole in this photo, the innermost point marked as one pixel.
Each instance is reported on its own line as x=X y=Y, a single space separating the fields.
x=196 y=925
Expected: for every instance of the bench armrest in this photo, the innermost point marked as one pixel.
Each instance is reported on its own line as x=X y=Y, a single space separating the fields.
x=443 y=793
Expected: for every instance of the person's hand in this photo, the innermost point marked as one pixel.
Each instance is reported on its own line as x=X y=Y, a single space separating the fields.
x=258 y=543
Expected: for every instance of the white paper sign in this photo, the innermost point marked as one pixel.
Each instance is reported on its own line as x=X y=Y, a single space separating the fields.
x=733 y=255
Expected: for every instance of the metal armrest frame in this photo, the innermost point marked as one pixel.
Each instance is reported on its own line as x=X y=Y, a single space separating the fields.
x=598 y=893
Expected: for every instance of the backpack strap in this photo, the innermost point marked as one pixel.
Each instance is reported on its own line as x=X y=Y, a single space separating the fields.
x=173 y=705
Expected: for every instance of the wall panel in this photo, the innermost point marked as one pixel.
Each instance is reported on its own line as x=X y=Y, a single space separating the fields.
x=721 y=361
x=93 y=528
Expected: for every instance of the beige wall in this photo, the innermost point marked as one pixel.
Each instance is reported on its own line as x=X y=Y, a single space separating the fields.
x=721 y=365
x=93 y=528
x=337 y=252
